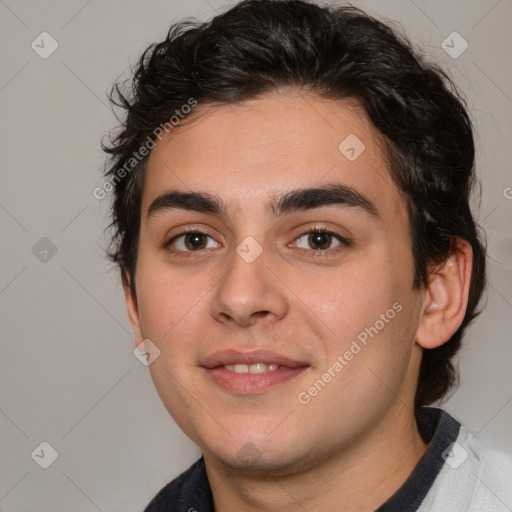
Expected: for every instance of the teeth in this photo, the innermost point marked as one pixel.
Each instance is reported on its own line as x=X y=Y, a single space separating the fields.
x=251 y=368
x=262 y=367
x=237 y=368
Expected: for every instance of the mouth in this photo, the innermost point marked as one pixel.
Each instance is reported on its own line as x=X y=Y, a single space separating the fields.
x=251 y=372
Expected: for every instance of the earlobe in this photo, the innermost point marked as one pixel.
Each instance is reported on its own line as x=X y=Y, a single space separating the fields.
x=132 y=309
x=446 y=298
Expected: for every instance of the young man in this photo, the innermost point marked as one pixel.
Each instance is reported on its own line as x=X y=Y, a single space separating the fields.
x=300 y=261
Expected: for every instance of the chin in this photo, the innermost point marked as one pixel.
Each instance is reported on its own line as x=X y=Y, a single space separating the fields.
x=265 y=458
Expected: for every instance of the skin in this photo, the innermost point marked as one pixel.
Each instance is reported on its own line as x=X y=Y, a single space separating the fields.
x=356 y=441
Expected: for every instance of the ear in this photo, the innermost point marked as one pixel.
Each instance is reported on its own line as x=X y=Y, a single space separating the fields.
x=132 y=308
x=446 y=297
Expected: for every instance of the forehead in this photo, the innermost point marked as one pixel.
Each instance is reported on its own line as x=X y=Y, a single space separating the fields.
x=250 y=152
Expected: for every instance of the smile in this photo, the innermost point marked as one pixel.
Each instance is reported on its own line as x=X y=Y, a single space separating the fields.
x=253 y=372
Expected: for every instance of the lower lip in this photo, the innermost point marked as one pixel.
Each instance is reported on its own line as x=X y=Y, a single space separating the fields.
x=251 y=383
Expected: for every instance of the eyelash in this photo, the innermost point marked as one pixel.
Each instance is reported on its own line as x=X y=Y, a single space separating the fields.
x=317 y=253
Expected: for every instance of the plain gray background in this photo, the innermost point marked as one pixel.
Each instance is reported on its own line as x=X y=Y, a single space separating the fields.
x=68 y=375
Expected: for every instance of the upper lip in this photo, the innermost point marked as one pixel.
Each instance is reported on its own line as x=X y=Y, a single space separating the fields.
x=231 y=356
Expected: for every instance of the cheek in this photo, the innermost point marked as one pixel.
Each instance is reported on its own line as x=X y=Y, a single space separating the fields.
x=369 y=312
x=366 y=365
x=347 y=299
x=167 y=304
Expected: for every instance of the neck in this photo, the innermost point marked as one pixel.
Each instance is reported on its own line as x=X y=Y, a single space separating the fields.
x=361 y=476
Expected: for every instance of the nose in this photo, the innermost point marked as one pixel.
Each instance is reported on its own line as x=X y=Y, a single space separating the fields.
x=249 y=291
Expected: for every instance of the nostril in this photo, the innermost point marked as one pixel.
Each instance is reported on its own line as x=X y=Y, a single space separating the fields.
x=260 y=313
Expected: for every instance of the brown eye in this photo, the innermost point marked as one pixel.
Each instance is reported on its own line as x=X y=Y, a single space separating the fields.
x=195 y=241
x=319 y=240
x=191 y=241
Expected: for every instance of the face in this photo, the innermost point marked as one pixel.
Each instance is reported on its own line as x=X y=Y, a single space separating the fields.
x=267 y=248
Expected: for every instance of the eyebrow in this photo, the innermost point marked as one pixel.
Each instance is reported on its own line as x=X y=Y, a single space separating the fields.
x=295 y=200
